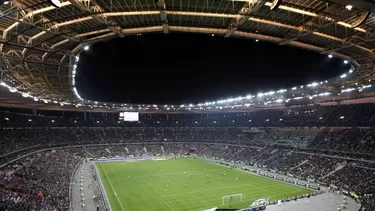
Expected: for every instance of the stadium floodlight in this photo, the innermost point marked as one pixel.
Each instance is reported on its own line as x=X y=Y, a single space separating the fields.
x=235 y=198
x=86 y=48
x=330 y=56
x=55 y=3
x=256 y=40
x=13 y=89
x=25 y=95
x=275 y=4
x=345 y=61
x=349 y=7
x=6 y=2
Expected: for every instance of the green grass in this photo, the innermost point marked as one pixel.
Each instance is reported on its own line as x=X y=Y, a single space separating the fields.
x=142 y=186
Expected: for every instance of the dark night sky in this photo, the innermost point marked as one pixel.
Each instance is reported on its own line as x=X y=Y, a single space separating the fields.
x=191 y=68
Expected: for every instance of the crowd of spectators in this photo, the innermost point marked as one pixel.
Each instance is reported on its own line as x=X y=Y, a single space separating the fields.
x=337 y=139
x=38 y=182
x=346 y=173
x=42 y=179
x=307 y=143
x=357 y=115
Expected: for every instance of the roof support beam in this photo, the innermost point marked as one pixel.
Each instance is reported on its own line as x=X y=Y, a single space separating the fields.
x=51 y=46
x=306 y=31
x=26 y=16
x=246 y=11
x=349 y=44
x=97 y=9
x=35 y=61
x=92 y=33
x=313 y=26
x=253 y=36
x=24 y=21
x=43 y=30
x=359 y=4
x=163 y=16
x=300 y=29
x=312 y=14
x=29 y=47
x=140 y=30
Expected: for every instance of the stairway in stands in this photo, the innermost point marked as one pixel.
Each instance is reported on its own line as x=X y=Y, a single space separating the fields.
x=303 y=162
x=338 y=168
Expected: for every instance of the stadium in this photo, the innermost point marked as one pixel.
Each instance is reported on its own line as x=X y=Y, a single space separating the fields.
x=307 y=147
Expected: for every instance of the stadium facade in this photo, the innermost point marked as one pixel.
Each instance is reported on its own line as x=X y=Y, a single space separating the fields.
x=41 y=44
x=327 y=146
x=321 y=132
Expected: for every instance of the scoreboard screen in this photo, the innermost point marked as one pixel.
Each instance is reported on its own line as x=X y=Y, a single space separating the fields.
x=129 y=116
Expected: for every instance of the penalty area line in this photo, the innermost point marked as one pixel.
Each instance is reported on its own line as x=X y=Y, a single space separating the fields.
x=112 y=188
x=167 y=203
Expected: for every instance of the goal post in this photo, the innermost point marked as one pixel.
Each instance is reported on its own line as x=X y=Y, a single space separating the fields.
x=234 y=198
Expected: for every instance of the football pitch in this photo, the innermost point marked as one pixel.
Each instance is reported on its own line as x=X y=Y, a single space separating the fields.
x=185 y=184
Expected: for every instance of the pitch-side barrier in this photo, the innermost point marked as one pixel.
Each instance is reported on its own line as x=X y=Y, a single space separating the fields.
x=130 y=159
x=254 y=208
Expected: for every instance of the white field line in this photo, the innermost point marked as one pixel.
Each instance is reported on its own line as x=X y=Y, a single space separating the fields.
x=102 y=186
x=270 y=195
x=113 y=189
x=245 y=185
x=167 y=203
x=165 y=174
x=242 y=184
x=227 y=187
x=205 y=205
x=206 y=190
x=248 y=200
x=237 y=186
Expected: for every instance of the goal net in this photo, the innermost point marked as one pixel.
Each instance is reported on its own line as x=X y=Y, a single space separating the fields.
x=229 y=199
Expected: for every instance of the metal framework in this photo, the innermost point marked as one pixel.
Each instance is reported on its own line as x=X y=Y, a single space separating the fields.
x=38 y=41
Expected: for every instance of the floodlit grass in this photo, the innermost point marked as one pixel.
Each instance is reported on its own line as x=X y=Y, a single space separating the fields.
x=165 y=185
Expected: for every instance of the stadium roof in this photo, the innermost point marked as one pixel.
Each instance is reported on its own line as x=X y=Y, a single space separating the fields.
x=40 y=43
